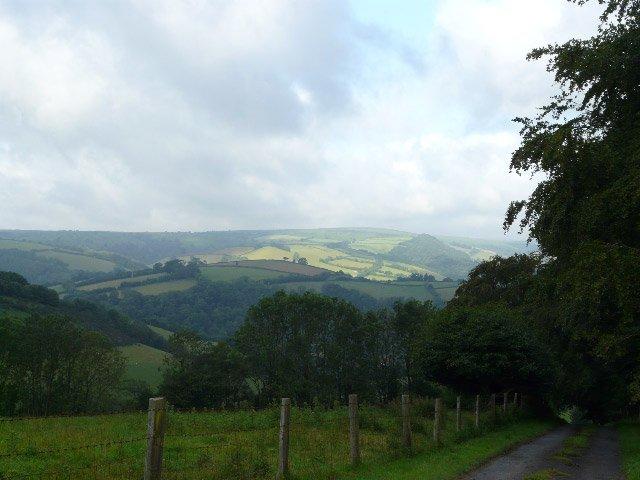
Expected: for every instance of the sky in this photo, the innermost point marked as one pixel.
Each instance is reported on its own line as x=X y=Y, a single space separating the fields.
x=158 y=115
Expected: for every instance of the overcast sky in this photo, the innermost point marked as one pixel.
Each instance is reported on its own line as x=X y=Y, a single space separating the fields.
x=208 y=115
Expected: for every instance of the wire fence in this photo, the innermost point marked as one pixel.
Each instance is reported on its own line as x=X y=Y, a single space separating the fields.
x=242 y=444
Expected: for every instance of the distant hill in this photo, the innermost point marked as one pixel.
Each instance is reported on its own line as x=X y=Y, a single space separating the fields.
x=57 y=257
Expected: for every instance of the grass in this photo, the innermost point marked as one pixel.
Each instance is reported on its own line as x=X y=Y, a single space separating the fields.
x=144 y=362
x=119 y=282
x=230 y=273
x=244 y=445
x=165 y=287
x=19 y=245
x=166 y=334
x=378 y=244
x=630 y=446
x=76 y=261
x=378 y=290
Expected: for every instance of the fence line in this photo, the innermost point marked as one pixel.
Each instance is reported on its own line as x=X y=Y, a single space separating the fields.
x=403 y=414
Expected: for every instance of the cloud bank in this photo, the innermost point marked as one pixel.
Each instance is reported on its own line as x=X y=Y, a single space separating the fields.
x=207 y=115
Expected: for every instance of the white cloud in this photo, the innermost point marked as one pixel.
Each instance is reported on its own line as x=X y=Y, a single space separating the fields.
x=141 y=115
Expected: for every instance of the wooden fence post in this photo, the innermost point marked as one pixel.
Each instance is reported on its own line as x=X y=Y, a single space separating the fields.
x=515 y=401
x=156 y=424
x=406 y=422
x=493 y=407
x=437 y=421
x=477 y=413
x=283 y=454
x=354 y=430
x=505 y=397
x=458 y=413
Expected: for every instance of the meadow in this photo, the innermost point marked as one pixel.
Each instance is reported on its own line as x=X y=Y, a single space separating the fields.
x=144 y=363
x=166 y=287
x=244 y=444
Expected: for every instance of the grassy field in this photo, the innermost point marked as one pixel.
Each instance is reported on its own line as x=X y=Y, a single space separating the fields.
x=276 y=266
x=76 y=261
x=143 y=363
x=630 y=446
x=166 y=334
x=18 y=245
x=244 y=445
x=378 y=290
x=378 y=244
x=165 y=287
x=117 y=283
x=230 y=273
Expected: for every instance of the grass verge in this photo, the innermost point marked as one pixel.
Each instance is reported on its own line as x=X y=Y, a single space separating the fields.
x=630 y=447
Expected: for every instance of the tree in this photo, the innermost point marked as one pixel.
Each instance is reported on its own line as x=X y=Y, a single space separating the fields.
x=585 y=214
x=485 y=348
x=203 y=374
x=51 y=366
x=303 y=261
x=310 y=346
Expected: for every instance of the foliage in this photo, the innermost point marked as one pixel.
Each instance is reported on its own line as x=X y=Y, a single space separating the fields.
x=49 y=366
x=311 y=346
x=488 y=348
x=202 y=374
x=585 y=214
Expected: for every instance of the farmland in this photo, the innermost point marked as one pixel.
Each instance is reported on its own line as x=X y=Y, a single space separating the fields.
x=230 y=273
x=166 y=287
x=118 y=282
x=244 y=444
x=376 y=254
x=143 y=363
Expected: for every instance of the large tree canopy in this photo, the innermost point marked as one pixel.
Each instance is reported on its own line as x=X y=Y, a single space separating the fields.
x=585 y=214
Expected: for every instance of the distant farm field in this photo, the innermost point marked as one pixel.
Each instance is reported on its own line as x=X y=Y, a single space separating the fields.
x=231 y=273
x=166 y=334
x=119 y=282
x=378 y=290
x=76 y=261
x=165 y=287
x=18 y=245
x=144 y=363
x=277 y=266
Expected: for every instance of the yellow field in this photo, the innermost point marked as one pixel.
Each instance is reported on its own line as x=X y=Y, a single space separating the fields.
x=378 y=244
x=164 y=287
x=267 y=253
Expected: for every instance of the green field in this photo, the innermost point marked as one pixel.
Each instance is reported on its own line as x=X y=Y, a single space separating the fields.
x=380 y=290
x=119 y=282
x=77 y=261
x=231 y=273
x=144 y=362
x=166 y=334
x=165 y=287
x=244 y=445
x=18 y=245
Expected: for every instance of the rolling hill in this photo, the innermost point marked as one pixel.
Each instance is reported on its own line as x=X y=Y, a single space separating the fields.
x=54 y=257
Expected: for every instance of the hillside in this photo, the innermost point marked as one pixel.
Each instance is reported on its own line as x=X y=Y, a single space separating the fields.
x=19 y=299
x=56 y=257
